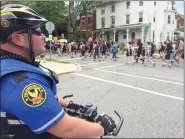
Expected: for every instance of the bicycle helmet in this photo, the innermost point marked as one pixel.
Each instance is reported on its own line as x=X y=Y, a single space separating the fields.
x=16 y=17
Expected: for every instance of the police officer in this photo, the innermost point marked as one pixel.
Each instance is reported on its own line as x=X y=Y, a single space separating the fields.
x=28 y=94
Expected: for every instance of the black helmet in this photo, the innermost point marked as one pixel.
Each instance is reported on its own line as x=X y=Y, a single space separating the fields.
x=16 y=17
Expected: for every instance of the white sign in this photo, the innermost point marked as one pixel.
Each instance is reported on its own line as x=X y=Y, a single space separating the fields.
x=50 y=27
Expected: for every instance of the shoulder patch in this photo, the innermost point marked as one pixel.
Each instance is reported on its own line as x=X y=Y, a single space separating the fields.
x=34 y=95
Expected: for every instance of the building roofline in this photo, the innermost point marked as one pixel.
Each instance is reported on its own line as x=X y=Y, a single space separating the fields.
x=181 y=15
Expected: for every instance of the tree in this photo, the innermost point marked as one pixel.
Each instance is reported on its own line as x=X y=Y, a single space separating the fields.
x=81 y=8
x=54 y=11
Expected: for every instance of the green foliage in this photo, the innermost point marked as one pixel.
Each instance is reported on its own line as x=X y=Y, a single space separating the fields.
x=84 y=7
x=54 y=11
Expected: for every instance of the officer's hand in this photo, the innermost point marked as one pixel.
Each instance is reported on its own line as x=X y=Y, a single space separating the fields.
x=107 y=123
x=73 y=106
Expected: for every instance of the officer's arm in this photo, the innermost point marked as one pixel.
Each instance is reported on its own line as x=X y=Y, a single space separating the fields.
x=72 y=127
x=33 y=102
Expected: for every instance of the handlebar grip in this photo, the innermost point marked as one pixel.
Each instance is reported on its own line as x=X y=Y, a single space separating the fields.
x=115 y=133
x=73 y=106
x=68 y=96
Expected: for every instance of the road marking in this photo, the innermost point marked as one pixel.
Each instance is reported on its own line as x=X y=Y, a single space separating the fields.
x=69 y=59
x=97 y=63
x=144 y=77
x=87 y=64
x=129 y=86
x=108 y=66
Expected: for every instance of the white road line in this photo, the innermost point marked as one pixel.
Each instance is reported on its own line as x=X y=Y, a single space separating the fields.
x=88 y=64
x=108 y=66
x=96 y=63
x=144 y=77
x=129 y=86
x=69 y=59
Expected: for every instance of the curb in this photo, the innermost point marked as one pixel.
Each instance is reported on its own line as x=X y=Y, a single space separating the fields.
x=77 y=70
x=78 y=67
x=57 y=61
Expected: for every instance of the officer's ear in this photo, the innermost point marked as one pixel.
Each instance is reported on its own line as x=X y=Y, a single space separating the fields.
x=18 y=39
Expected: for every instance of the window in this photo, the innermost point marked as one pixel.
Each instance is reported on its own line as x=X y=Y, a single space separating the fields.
x=113 y=8
x=140 y=3
x=89 y=20
x=127 y=4
x=173 y=22
x=169 y=19
x=124 y=36
x=116 y=37
x=127 y=19
x=181 y=25
x=133 y=35
x=155 y=3
x=102 y=10
x=140 y=17
x=173 y=8
x=154 y=18
x=103 y=22
x=112 y=20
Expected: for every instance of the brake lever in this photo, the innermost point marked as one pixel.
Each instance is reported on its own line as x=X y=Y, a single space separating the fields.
x=116 y=131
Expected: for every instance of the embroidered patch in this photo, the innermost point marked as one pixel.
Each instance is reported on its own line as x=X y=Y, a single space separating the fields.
x=5 y=23
x=34 y=95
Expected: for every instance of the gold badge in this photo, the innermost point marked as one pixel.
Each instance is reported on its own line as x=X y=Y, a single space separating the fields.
x=5 y=23
x=34 y=95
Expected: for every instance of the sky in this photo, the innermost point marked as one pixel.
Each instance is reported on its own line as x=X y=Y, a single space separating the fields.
x=179 y=7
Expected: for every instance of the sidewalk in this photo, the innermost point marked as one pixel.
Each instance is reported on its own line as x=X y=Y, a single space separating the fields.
x=61 y=68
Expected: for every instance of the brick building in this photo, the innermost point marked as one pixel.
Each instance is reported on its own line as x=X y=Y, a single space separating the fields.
x=179 y=32
x=180 y=21
x=88 y=24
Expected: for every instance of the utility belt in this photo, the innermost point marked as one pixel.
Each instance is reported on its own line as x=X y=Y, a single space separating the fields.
x=13 y=128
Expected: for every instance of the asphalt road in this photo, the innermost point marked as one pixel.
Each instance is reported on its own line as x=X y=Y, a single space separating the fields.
x=150 y=98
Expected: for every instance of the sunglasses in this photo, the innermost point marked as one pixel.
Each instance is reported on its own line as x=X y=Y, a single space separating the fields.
x=34 y=31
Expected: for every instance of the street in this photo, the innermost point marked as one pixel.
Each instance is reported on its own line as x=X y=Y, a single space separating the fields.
x=150 y=98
